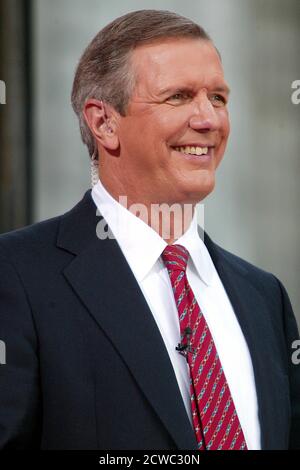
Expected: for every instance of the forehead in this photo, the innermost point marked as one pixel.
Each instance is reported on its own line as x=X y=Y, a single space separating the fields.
x=190 y=61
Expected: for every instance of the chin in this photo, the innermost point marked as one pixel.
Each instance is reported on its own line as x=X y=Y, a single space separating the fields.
x=198 y=190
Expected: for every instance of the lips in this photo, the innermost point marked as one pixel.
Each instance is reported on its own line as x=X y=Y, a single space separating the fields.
x=192 y=149
x=197 y=154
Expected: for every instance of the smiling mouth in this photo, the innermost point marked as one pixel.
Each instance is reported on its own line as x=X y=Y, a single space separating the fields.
x=192 y=150
x=196 y=154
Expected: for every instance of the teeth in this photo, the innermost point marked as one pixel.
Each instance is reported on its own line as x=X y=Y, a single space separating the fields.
x=192 y=150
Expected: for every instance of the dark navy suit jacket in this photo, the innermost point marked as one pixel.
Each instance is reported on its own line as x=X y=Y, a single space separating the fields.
x=86 y=367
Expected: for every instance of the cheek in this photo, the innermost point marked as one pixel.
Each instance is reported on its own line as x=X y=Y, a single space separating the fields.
x=171 y=123
x=224 y=134
x=225 y=123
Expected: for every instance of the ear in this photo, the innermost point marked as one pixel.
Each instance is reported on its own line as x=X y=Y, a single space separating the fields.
x=103 y=126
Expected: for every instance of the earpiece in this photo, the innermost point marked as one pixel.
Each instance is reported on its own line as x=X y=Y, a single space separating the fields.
x=108 y=129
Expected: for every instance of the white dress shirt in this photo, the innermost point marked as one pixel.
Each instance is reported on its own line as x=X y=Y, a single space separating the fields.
x=142 y=248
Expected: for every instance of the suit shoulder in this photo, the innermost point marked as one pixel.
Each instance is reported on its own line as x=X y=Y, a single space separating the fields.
x=257 y=274
x=35 y=234
x=35 y=237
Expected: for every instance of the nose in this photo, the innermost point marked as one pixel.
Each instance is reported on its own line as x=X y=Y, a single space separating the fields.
x=204 y=116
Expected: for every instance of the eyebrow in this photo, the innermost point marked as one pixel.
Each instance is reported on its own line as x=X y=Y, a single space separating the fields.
x=222 y=89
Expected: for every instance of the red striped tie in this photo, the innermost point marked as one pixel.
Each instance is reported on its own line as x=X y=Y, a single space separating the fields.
x=215 y=420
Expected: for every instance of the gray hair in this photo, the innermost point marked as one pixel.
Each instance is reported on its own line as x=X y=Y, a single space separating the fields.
x=104 y=72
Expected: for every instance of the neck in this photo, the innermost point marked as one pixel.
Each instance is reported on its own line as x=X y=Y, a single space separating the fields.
x=169 y=219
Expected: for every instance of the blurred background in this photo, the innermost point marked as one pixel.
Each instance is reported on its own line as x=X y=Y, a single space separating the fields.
x=44 y=168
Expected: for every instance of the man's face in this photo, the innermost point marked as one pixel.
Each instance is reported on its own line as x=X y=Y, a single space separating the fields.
x=175 y=131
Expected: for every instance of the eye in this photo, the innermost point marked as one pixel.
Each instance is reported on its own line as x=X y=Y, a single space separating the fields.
x=179 y=97
x=218 y=100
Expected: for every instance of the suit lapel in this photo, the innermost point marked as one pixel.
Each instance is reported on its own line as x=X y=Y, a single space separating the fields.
x=251 y=311
x=102 y=279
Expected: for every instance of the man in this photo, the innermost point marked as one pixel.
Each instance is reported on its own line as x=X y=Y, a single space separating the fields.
x=144 y=338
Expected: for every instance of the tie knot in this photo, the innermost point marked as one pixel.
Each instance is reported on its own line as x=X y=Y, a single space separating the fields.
x=175 y=257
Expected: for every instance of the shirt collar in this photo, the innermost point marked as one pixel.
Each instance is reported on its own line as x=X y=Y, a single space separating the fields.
x=141 y=245
x=199 y=255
